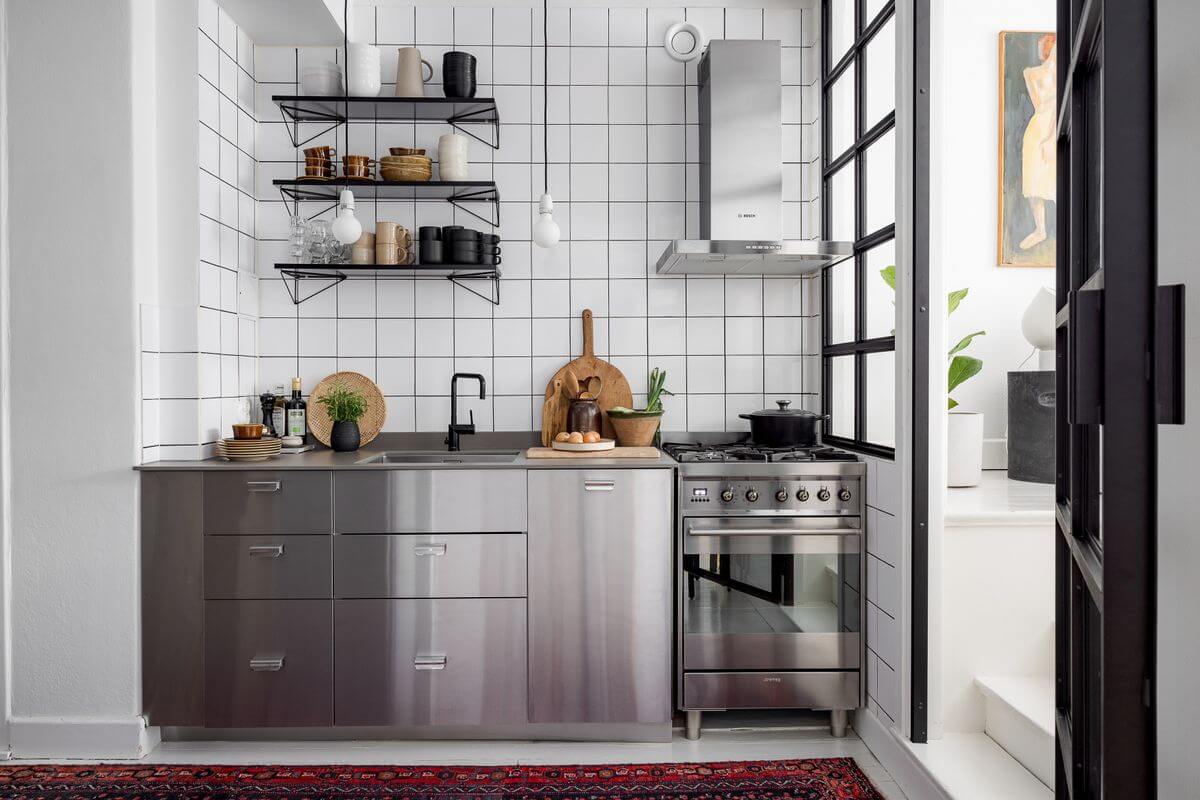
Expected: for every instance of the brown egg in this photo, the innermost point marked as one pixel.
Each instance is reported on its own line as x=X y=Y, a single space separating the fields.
x=591 y=437
x=563 y=436
x=575 y=438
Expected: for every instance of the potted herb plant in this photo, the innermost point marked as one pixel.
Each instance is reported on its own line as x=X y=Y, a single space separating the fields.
x=345 y=407
x=639 y=427
x=964 y=429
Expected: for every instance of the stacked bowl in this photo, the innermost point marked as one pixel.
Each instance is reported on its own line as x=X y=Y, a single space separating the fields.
x=363 y=70
x=320 y=79
x=406 y=164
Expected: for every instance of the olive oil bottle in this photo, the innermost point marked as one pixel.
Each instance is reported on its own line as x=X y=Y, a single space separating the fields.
x=297 y=413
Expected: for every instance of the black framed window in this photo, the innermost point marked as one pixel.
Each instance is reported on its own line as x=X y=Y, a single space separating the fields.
x=858 y=146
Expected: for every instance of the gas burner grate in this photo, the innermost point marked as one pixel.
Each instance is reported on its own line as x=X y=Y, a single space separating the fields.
x=690 y=453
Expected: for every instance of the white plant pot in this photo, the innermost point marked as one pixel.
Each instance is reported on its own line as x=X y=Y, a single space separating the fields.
x=964 y=448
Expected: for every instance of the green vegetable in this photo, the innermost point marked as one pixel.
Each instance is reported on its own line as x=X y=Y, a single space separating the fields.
x=655 y=389
x=343 y=403
x=961 y=367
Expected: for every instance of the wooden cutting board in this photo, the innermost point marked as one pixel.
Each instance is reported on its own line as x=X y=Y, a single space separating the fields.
x=615 y=390
x=616 y=452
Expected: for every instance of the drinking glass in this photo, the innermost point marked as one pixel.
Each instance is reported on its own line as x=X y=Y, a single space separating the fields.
x=297 y=235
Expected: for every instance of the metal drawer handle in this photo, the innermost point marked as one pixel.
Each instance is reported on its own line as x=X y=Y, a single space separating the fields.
x=598 y=486
x=263 y=486
x=427 y=662
x=266 y=550
x=265 y=664
x=429 y=549
x=774 y=531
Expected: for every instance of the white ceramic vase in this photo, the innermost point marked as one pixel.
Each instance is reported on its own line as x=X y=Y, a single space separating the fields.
x=363 y=72
x=453 y=153
x=964 y=448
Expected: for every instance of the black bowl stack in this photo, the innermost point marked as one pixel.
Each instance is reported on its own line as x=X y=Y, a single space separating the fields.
x=458 y=74
x=454 y=244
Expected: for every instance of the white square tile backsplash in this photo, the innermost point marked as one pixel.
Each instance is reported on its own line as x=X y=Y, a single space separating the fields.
x=623 y=151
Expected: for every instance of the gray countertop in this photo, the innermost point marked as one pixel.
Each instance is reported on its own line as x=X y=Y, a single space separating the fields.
x=324 y=459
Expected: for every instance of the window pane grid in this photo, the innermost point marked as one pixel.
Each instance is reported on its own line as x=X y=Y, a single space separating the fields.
x=866 y=167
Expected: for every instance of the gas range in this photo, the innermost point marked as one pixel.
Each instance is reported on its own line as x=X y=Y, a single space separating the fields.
x=769 y=550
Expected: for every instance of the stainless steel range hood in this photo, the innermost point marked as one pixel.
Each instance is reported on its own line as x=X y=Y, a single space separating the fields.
x=741 y=173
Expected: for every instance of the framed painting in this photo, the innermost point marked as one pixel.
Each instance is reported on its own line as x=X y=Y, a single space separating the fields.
x=1026 y=235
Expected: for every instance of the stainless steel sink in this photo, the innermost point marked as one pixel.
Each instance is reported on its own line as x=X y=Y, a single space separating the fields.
x=465 y=457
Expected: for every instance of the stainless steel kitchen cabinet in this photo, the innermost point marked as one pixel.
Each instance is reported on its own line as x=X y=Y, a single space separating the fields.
x=430 y=662
x=430 y=565
x=268 y=567
x=429 y=501
x=600 y=595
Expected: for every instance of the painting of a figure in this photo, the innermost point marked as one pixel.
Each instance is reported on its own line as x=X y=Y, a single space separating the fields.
x=1028 y=67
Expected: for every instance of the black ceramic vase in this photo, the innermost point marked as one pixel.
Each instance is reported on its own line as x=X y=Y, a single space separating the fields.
x=344 y=438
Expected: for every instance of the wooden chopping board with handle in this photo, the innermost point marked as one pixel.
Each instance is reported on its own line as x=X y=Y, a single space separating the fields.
x=614 y=388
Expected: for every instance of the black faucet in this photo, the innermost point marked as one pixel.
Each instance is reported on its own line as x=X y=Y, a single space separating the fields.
x=455 y=428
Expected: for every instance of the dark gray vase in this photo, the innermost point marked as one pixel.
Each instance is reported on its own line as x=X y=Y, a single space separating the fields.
x=344 y=438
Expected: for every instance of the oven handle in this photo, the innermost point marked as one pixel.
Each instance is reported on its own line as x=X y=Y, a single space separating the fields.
x=774 y=531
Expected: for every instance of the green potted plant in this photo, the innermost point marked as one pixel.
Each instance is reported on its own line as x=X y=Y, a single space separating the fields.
x=639 y=427
x=964 y=434
x=345 y=407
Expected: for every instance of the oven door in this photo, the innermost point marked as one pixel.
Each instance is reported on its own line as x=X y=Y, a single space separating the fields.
x=777 y=593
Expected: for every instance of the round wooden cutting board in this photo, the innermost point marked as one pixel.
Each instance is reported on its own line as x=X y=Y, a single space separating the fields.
x=369 y=426
x=614 y=392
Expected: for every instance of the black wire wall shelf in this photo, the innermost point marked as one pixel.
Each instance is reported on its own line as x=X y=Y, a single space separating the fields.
x=326 y=276
x=460 y=194
x=336 y=110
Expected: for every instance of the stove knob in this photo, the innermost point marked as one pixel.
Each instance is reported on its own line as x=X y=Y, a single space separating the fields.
x=781 y=495
x=844 y=495
x=752 y=496
x=802 y=495
x=727 y=496
x=823 y=494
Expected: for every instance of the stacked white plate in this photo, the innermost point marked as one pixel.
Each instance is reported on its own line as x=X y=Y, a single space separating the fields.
x=248 y=449
x=321 y=78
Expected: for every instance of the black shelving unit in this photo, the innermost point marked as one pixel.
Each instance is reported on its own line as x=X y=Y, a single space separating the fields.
x=457 y=193
x=335 y=110
x=329 y=275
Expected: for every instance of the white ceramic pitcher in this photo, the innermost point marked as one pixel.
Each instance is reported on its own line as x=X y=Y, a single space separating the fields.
x=412 y=73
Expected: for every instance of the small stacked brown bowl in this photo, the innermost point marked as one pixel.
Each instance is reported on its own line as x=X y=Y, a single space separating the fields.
x=358 y=167
x=319 y=163
x=406 y=164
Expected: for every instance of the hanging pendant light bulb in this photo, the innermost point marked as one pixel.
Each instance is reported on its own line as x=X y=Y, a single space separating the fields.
x=346 y=227
x=545 y=229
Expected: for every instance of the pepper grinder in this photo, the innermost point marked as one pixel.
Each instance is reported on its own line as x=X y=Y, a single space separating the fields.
x=268 y=406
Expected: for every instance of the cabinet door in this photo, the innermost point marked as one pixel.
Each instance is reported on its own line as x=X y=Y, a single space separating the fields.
x=282 y=501
x=600 y=595
x=430 y=501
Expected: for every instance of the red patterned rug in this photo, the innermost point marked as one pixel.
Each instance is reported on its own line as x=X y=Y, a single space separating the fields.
x=808 y=779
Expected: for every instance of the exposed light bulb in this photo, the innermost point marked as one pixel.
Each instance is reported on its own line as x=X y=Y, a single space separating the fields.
x=545 y=230
x=346 y=228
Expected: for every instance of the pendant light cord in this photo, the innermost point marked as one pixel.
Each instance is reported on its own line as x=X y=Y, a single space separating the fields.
x=546 y=95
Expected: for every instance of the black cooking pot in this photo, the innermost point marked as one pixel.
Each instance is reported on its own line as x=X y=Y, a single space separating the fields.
x=783 y=427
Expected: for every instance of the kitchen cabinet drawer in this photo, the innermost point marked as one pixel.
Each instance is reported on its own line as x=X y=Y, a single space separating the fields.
x=600 y=595
x=724 y=690
x=267 y=567
x=267 y=502
x=430 y=501
x=430 y=565
x=268 y=662
x=430 y=662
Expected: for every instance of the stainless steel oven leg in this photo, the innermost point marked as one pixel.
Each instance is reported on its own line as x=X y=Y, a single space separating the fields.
x=693 y=725
x=837 y=722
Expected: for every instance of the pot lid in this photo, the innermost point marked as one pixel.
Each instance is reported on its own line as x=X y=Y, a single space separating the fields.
x=782 y=411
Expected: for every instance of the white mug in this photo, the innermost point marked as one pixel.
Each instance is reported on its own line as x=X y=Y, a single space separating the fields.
x=452 y=157
x=410 y=80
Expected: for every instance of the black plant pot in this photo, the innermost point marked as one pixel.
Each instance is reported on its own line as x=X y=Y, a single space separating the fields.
x=344 y=438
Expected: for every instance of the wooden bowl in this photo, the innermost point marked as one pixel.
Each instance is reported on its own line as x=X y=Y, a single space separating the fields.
x=252 y=430
x=405 y=174
x=407 y=151
x=635 y=431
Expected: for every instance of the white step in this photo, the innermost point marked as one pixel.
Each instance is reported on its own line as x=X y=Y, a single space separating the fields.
x=1019 y=716
x=970 y=766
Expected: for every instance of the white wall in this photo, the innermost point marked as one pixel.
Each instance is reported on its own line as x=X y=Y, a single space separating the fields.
x=623 y=163
x=73 y=378
x=1178 y=634
x=969 y=43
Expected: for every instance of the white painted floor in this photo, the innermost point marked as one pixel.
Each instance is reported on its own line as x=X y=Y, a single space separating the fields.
x=735 y=739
